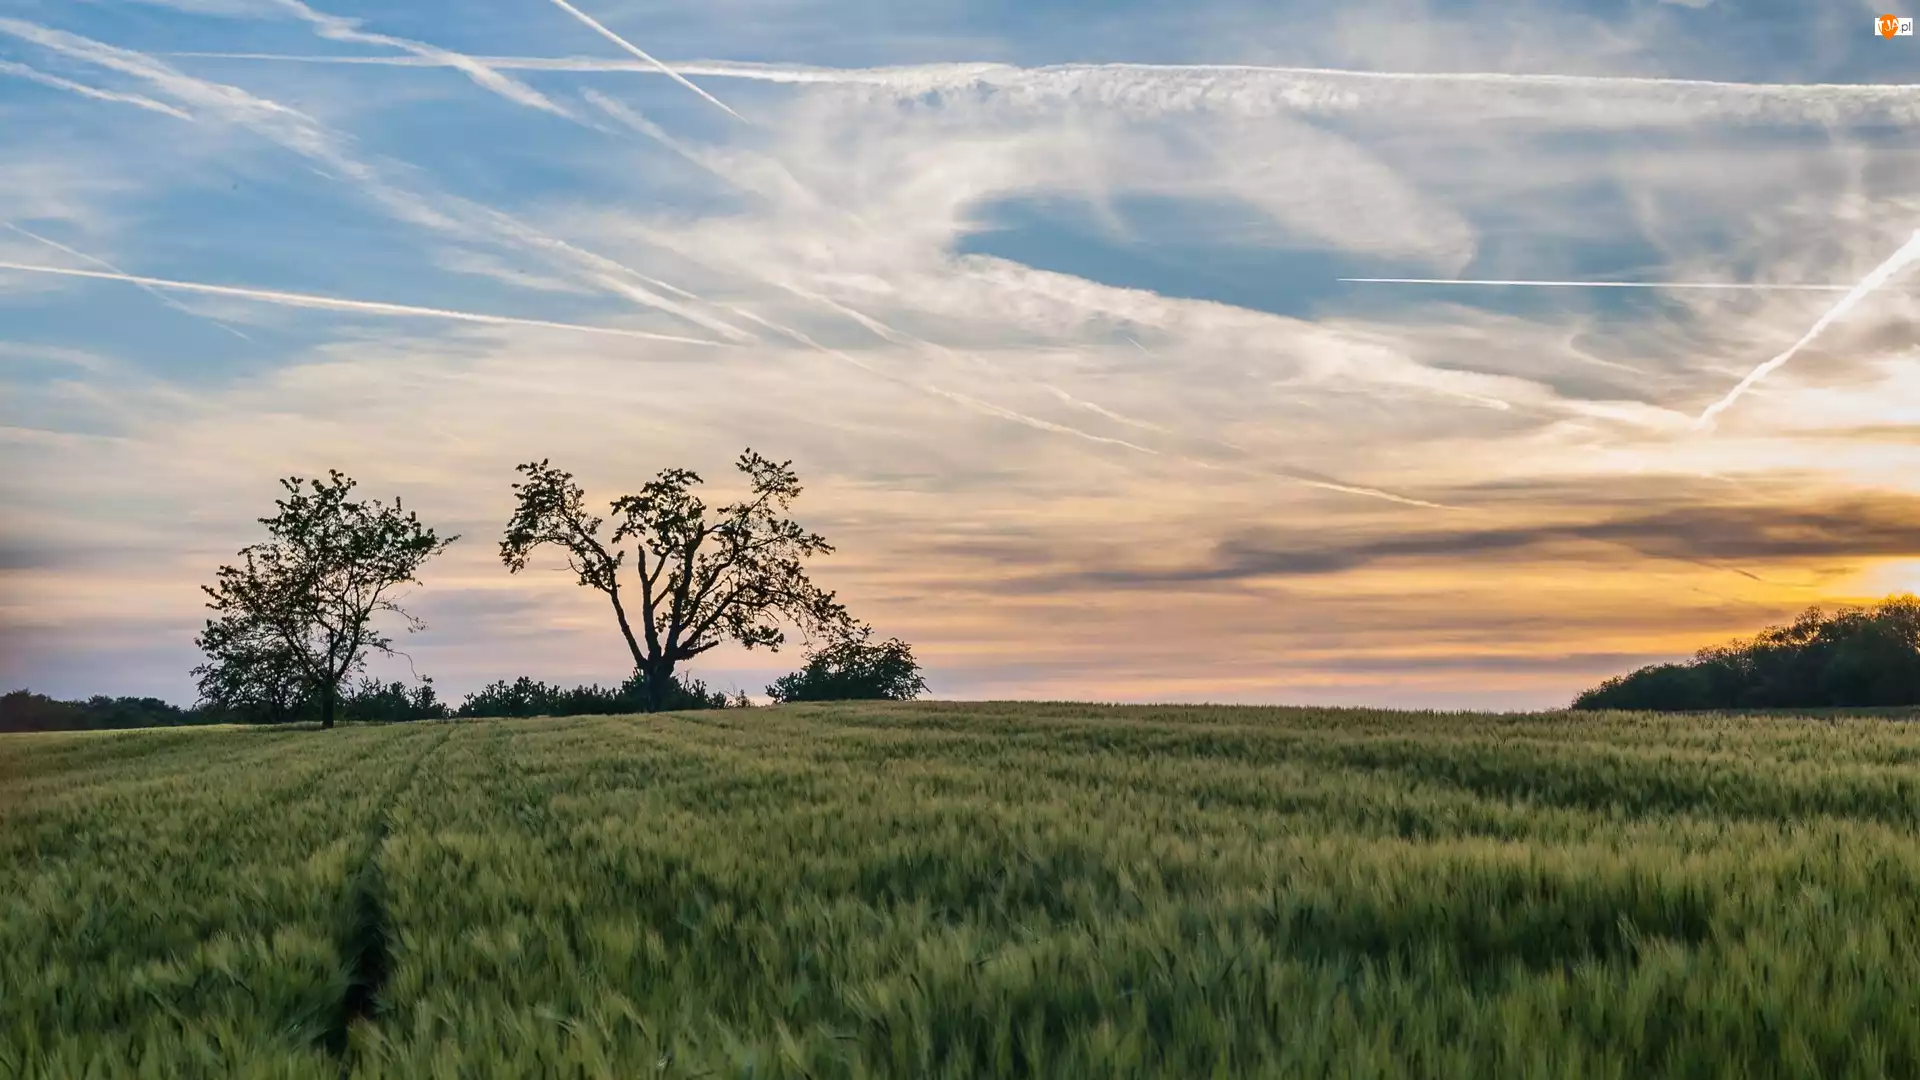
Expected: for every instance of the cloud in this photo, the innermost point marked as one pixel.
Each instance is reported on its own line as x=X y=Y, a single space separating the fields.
x=1843 y=530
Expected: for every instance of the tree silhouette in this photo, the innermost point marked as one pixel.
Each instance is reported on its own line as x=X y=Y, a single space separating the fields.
x=296 y=616
x=1853 y=657
x=854 y=668
x=736 y=572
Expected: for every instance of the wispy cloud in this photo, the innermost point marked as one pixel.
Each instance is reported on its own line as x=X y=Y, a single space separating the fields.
x=35 y=75
x=334 y=303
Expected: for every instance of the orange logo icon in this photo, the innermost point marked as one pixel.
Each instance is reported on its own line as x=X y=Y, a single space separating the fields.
x=1889 y=25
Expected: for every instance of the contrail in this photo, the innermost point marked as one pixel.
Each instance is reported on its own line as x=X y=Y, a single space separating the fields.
x=336 y=28
x=150 y=290
x=1101 y=410
x=637 y=51
x=58 y=83
x=1909 y=252
x=1372 y=493
x=334 y=303
x=302 y=134
x=1251 y=90
x=1602 y=284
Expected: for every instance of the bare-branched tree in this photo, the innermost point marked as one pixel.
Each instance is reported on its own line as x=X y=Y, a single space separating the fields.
x=700 y=576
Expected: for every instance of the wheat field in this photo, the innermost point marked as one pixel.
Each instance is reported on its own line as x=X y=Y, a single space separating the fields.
x=967 y=889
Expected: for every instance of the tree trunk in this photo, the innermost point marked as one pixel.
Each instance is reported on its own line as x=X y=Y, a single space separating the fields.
x=326 y=706
x=657 y=676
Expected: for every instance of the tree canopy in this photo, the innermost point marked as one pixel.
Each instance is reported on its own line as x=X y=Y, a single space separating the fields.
x=295 y=618
x=852 y=668
x=680 y=576
x=1851 y=658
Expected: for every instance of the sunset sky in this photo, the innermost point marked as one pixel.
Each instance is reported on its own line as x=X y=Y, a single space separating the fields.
x=1042 y=299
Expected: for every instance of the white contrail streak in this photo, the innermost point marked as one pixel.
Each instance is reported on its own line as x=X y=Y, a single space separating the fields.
x=36 y=75
x=336 y=28
x=148 y=289
x=630 y=47
x=334 y=303
x=1908 y=254
x=1602 y=284
x=1250 y=90
x=306 y=136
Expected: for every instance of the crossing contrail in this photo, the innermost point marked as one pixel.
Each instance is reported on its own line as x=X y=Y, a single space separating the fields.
x=1755 y=286
x=104 y=264
x=643 y=55
x=1908 y=254
x=335 y=303
x=8 y=67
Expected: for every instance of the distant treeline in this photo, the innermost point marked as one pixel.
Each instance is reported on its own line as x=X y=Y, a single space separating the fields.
x=1856 y=657
x=370 y=701
x=847 y=670
x=23 y=710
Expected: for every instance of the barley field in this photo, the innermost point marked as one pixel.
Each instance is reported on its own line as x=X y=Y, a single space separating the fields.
x=962 y=890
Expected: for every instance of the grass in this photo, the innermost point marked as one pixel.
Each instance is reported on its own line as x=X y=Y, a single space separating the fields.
x=966 y=890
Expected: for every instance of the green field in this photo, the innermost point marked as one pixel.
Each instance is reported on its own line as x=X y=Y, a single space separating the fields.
x=965 y=890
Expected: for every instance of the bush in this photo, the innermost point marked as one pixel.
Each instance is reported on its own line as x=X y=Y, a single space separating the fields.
x=1851 y=658
x=372 y=701
x=530 y=697
x=854 y=669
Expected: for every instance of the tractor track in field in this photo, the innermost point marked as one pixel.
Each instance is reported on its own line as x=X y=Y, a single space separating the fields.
x=366 y=938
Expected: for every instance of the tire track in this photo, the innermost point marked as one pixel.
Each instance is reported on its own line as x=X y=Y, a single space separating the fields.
x=366 y=938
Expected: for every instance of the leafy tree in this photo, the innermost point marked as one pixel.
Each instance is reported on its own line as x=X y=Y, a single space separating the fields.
x=251 y=674
x=736 y=572
x=853 y=668
x=295 y=618
x=1854 y=657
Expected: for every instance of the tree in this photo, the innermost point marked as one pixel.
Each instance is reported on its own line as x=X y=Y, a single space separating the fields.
x=735 y=573
x=852 y=668
x=251 y=674
x=295 y=618
x=1854 y=657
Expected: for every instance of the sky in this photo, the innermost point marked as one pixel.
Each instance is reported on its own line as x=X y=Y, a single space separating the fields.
x=1044 y=301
